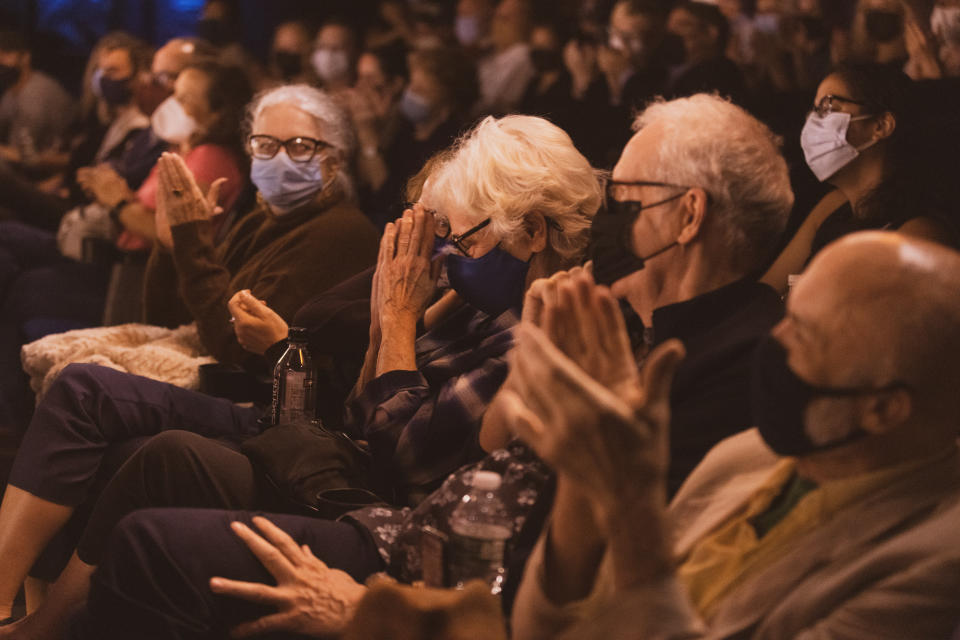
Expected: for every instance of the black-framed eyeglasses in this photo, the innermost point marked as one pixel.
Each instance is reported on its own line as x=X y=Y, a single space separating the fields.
x=299 y=149
x=826 y=104
x=620 y=203
x=442 y=231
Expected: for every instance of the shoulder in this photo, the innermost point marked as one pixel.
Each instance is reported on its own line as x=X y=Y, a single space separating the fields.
x=742 y=454
x=930 y=228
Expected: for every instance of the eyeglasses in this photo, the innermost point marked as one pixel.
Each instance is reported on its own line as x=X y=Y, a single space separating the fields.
x=300 y=149
x=619 y=203
x=442 y=228
x=826 y=105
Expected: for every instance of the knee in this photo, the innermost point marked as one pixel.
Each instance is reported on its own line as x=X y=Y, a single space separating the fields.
x=169 y=450
x=76 y=379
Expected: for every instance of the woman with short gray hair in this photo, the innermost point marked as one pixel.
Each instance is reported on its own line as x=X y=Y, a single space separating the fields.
x=301 y=238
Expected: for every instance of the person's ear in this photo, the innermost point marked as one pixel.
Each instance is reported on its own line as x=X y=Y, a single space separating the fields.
x=331 y=167
x=693 y=212
x=886 y=411
x=535 y=228
x=885 y=125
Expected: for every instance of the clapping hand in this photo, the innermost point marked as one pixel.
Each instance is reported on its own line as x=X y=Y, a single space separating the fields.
x=179 y=197
x=311 y=598
x=257 y=326
x=104 y=184
x=576 y=397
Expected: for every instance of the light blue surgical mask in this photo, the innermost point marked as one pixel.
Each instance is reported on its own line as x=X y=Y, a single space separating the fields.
x=415 y=107
x=284 y=184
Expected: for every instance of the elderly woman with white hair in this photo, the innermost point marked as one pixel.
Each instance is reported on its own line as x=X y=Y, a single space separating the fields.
x=512 y=202
x=302 y=237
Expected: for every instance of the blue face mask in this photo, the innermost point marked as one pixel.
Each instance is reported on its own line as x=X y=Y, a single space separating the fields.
x=492 y=283
x=414 y=107
x=284 y=184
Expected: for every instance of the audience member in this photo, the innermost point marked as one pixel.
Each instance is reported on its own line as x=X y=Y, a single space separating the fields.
x=433 y=111
x=334 y=57
x=290 y=53
x=471 y=25
x=35 y=111
x=506 y=71
x=832 y=517
x=705 y=33
x=864 y=137
x=418 y=400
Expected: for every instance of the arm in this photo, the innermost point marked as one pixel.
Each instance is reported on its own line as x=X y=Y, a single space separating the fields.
x=797 y=252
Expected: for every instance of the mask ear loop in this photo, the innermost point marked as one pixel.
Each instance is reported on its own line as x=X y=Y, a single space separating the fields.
x=866 y=145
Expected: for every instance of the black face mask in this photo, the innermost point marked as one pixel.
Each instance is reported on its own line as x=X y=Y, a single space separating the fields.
x=780 y=400
x=546 y=60
x=288 y=64
x=883 y=26
x=115 y=92
x=611 y=234
x=8 y=77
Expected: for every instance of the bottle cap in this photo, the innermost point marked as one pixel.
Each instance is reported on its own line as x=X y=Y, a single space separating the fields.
x=486 y=480
x=297 y=334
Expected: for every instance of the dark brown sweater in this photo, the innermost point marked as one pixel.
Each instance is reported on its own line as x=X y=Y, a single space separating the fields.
x=285 y=261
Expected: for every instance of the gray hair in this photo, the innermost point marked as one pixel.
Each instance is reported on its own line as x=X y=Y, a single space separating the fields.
x=711 y=143
x=510 y=167
x=329 y=116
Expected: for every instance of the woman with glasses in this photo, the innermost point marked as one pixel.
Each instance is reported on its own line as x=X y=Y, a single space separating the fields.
x=864 y=137
x=302 y=237
x=511 y=204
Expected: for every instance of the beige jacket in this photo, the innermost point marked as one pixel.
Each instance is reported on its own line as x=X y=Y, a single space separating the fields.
x=887 y=566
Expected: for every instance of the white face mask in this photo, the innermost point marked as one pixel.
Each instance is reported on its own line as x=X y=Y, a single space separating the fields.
x=945 y=23
x=330 y=64
x=171 y=123
x=824 y=142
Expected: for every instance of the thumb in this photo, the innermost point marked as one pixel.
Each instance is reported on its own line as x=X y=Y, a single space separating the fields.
x=659 y=370
x=213 y=194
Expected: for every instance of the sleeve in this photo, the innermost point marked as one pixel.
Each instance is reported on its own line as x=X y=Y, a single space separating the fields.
x=920 y=602
x=204 y=287
x=162 y=304
x=659 y=611
x=421 y=432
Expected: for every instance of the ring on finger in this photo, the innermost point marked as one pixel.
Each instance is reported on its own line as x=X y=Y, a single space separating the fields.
x=177 y=192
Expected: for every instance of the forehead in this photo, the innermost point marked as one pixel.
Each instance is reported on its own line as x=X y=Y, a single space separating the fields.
x=622 y=20
x=171 y=57
x=833 y=85
x=333 y=35
x=291 y=36
x=285 y=121
x=639 y=155
x=369 y=65
x=115 y=59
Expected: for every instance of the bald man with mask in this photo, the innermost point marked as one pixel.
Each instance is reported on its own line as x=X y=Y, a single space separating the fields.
x=835 y=518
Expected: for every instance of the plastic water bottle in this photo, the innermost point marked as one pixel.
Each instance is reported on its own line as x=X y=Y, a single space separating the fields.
x=480 y=530
x=294 y=395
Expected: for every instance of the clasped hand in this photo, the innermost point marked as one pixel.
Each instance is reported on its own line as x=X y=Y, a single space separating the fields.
x=406 y=276
x=257 y=326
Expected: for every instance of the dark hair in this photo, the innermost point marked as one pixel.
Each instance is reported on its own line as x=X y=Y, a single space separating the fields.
x=392 y=59
x=911 y=187
x=710 y=16
x=228 y=93
x=453 y=70
x=141 y=54
x=11 y=40
x=655 y=8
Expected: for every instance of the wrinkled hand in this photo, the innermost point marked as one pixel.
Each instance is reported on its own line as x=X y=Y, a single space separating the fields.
x=104 y=185
x=924 y=63
x=258 y=327
x=179 y=197
x=611 y=443
x=311 y=598
x=407 y=276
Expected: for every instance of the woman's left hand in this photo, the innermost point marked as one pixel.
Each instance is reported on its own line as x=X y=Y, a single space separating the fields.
x=104 y=185
x=407 y=275
x=179 y=197
x=311 y=598
x=258 y=327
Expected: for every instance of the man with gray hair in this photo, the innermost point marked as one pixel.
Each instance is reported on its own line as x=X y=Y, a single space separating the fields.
x=697 y=201
x=834 y=518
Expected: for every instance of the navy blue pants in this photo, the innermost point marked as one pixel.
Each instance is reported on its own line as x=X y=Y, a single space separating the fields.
x=92 y=414
x=154 y=581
